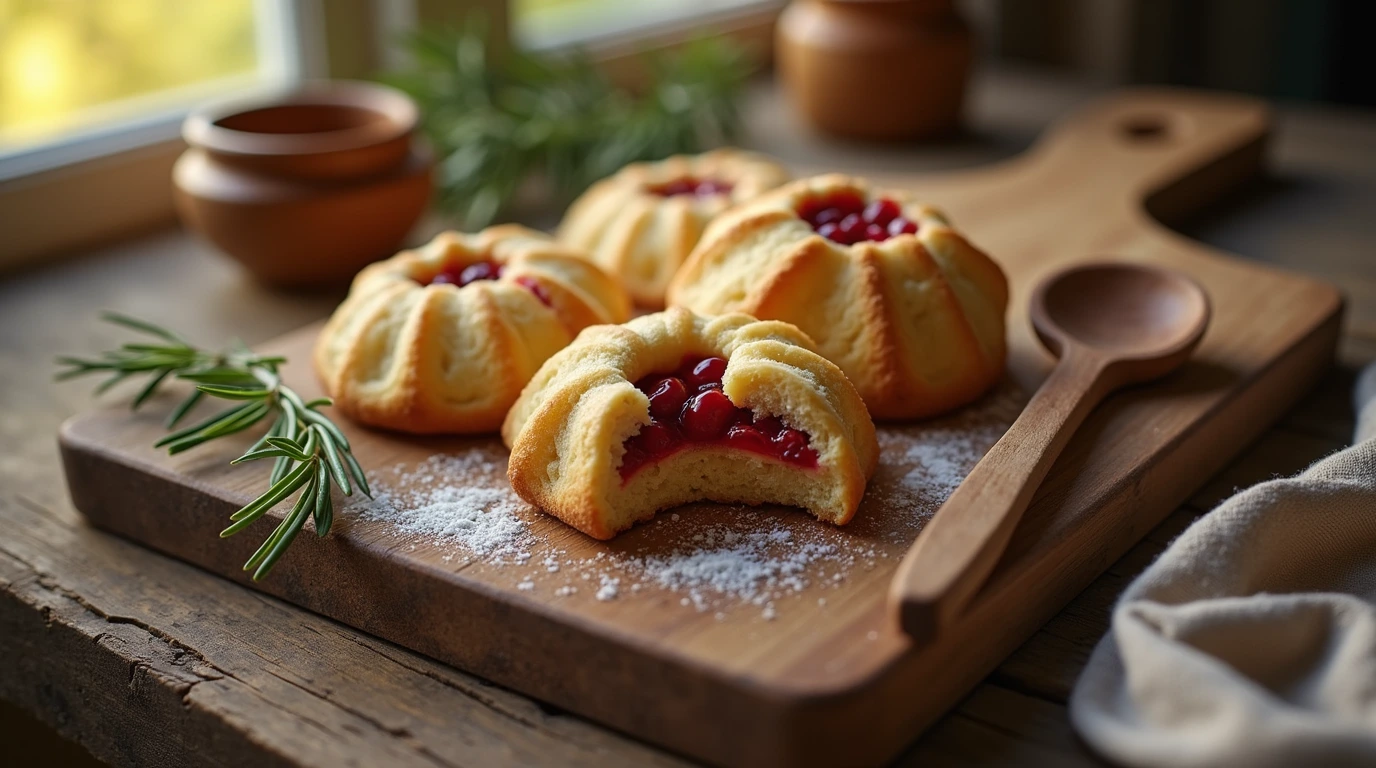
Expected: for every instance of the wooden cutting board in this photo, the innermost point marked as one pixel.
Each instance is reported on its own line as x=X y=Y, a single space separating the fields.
x=662 y=632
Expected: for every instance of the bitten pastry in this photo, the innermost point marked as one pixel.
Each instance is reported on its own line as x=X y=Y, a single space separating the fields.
x=442 y=339
x=906 y=306
x=674 y=407
x=641 y=223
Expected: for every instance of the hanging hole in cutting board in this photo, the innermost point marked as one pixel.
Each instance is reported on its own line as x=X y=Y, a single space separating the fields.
x=1147 y=128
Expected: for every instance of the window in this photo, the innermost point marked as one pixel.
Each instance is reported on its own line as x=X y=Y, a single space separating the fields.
x=554 y=23
x=93 y=92
x=76 y=72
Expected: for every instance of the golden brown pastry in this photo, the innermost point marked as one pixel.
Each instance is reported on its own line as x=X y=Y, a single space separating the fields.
x=641 y=223
x=675 y=407
x=906 y=306
x=442 y=339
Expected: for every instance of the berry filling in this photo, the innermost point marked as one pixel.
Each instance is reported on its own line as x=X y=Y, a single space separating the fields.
x=461 y=275
x=689 y=185
x=846 y=218
x=531 y=284
x=688 y=408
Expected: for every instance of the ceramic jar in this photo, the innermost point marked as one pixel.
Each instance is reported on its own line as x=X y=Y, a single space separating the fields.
x=306 y=189
x=876 y=69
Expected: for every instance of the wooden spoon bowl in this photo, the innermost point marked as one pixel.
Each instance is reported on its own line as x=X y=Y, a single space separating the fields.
x=1148 y=319
x=1111 y=324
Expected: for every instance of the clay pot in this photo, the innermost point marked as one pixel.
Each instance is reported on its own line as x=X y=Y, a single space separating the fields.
x=876 y=69
x=306 y=189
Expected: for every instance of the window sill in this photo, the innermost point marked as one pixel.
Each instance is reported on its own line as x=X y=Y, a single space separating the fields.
x=656 y=33
x=88 y=203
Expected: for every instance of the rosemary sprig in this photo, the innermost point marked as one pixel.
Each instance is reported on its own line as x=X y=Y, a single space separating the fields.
x=308 y=450
x=498 y=118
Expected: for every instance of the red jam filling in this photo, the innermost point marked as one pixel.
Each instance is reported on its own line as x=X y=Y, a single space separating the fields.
x=534 y=286
x=689 y=185
x=846 y=218
x=688 y=408
x=461 y=275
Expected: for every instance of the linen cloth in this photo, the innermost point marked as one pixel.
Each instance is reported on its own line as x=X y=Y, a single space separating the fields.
x=1251 y=641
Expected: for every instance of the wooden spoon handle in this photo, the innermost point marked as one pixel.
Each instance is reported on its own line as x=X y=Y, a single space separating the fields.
x=960 y=545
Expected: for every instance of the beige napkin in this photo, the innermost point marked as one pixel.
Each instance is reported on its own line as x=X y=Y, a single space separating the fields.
x=1252 y=640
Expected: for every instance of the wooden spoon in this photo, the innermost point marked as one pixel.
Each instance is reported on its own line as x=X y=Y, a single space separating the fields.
x=1111 y=325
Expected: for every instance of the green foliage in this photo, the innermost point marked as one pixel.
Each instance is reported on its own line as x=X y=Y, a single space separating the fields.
x=497 y=120
x=308 y=450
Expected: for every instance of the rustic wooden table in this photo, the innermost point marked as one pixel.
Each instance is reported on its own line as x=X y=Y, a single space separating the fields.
x=143 y=660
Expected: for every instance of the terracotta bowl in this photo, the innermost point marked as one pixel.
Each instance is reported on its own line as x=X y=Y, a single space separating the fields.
x=307 y=189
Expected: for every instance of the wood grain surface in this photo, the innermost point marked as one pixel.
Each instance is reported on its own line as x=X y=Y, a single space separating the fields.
x=834 y=682
x=1110 y=325
x=100 y=638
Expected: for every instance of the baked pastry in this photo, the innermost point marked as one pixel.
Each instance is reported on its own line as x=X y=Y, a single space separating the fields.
x=906 y=306
x=442 y=339
x=641 y=223
x=674 y=407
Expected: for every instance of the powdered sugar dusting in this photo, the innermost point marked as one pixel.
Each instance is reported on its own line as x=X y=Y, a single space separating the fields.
x=751 y=566
x=479 y=517
x=921 y=464
x=609 y=590
x=710 y=558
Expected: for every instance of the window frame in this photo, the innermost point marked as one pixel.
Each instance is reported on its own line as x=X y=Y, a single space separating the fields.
x=289 y=64
x=751 y=15
x=52 y=201
x=50 y=194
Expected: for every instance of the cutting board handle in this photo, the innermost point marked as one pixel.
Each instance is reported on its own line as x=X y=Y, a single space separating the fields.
x=1173 y=150
x=1167 y=150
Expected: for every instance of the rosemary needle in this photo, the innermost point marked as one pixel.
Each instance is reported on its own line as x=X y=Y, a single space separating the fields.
x=498 y=118
x=310 y=451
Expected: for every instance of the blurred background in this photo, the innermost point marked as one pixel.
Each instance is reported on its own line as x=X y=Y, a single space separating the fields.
x=93 y=94
x=72 y=65
x=101 y=86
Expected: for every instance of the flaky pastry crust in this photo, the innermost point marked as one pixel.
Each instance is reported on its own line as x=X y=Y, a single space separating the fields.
x=915 y=321
x=642 y=237
x=567 y=430
x=437 y=358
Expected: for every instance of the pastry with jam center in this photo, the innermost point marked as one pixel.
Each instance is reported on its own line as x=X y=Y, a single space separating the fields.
x=675 y=407
x=887 y=287
x=642 y=222
x=441 y=339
